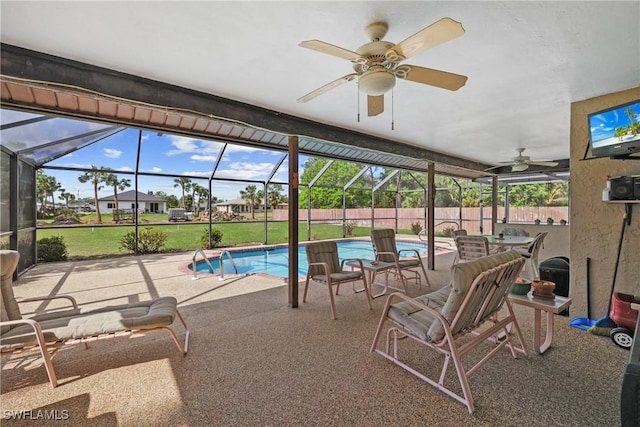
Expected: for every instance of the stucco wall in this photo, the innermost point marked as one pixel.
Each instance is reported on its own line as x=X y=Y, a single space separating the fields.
x=596 y=226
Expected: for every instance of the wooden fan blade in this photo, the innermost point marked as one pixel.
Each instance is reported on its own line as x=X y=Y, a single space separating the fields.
x=437 y=33
x=544 y=163
x=375 y=105
x=330 y=49
x=429 y=76
x=327 y=87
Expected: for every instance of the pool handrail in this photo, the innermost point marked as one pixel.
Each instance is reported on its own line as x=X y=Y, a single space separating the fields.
x=221 y=266
x=193 y=263
x=424 y=232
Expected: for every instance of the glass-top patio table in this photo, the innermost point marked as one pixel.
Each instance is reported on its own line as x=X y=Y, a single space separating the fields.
x=507 y=242
x=372 y=268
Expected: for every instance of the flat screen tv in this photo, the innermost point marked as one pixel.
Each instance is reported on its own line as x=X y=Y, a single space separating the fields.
x=615 y=132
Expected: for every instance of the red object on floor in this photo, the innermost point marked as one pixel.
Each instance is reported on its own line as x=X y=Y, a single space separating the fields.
x=621 y=311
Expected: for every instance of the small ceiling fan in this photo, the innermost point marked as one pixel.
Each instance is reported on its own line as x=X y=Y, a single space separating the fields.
x=377 y=64
x=521 y=163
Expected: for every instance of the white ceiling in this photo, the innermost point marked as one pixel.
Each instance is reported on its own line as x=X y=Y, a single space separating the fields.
x=526 y=61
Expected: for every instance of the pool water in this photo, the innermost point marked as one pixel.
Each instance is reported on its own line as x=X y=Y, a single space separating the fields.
x=275 y=261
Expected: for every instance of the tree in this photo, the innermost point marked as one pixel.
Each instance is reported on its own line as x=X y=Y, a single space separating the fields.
x=95 y=176
x=275 y=197
x=252 y=196
x=172 y=201
x=185 y=185
x=67 y=197
x=327 y=192
x=113 y=181
x=202 y=196
x=46 y=186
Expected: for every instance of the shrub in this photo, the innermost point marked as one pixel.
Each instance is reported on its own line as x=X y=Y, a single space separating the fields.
x=448 y=232
x=349 y=226
x=149 y=241
x=52 y=249
x=416 y=228
x=216 y=238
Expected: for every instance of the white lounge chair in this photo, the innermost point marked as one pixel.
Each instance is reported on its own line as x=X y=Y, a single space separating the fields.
x=52 y=331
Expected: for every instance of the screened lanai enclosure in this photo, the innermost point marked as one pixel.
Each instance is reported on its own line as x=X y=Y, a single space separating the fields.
x=86 y=181
x=120 y=154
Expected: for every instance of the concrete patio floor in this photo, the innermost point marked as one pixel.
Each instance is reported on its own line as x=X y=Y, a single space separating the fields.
x=254 y=361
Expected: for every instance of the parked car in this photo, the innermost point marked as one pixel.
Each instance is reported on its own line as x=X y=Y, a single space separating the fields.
x=177 y=214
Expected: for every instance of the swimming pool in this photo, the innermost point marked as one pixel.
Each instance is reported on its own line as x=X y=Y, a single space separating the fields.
x=275 y=261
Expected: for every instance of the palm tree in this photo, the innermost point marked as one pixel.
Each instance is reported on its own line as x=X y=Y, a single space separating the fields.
x=45 y=186
x=185 y=185
x=122 y=184
x=275 y=197
x=252 y=196
x=96 y=176
x=66 y=197
x=201 y=192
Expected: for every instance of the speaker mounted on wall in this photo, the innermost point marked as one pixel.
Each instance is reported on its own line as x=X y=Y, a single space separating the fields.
x=622 y=188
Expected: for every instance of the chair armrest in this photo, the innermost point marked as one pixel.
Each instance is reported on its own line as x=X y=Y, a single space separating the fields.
x=34 y=325
x=68 y=297
x=409 y=250
x=42 y=343
x=324 y=265
x=358 y=260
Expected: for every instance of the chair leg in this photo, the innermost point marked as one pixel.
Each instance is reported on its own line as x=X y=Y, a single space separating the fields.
x=463 y=379
x=48 y=364
x=183 y=348
x=42 y=344
x=367 y=291
x=306 y=286
x=333 y=302
x=426 y=278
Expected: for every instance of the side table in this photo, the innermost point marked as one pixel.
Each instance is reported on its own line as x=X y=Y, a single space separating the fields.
x=550 y=306
x=372 y=268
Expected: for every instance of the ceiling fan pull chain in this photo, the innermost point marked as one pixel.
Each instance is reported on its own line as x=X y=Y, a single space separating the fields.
x=392 y=127
x=358 y=95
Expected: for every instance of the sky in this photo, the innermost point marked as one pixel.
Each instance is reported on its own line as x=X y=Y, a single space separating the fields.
x=170 y=154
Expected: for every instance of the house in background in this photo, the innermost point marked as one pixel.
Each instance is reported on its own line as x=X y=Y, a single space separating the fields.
x=146 y=203
x=82 y=207
x=237 y=206
x=241 y=206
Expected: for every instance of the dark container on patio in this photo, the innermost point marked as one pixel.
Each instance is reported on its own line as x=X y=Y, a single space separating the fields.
x=556 y=270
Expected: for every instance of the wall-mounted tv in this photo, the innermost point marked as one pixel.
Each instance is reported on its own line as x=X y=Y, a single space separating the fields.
x=615 y=132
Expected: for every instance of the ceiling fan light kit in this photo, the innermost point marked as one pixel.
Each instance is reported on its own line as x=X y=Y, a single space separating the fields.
x=519 y=167
x=376 y=82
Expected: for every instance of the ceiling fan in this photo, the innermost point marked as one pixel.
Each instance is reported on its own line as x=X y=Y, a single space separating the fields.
x=521 y=163
x=377 y=64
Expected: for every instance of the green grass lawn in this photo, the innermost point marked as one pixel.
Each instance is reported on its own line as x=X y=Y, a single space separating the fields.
x=87 y=241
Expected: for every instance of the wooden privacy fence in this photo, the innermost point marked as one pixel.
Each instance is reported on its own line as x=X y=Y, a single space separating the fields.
x=469 y=218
